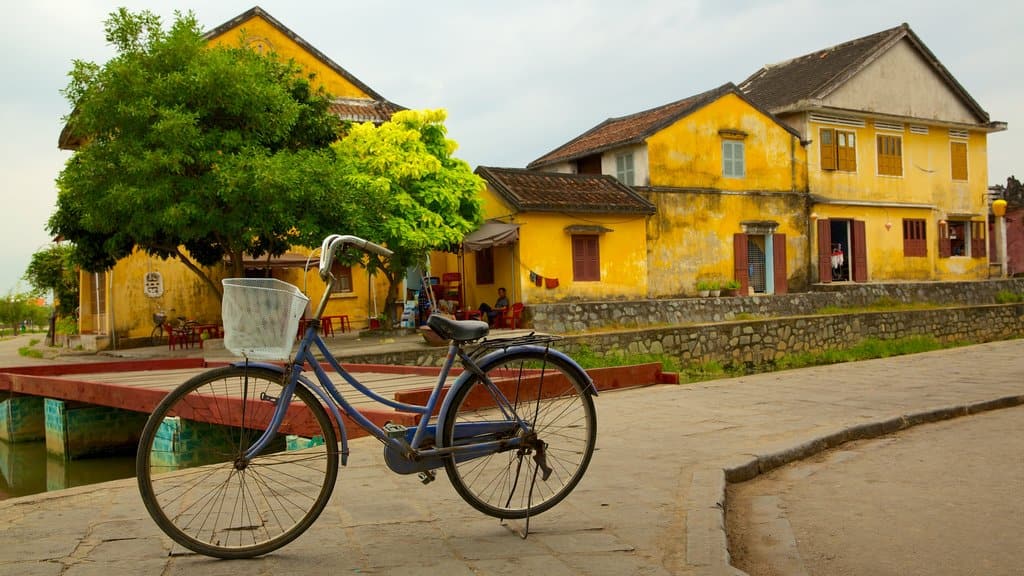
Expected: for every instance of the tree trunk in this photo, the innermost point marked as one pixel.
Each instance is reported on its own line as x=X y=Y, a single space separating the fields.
x=201 y=273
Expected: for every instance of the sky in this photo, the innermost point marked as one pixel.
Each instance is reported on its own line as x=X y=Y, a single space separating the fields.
x=518 y=78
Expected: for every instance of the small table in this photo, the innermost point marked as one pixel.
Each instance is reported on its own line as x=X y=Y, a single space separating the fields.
x=327 y=324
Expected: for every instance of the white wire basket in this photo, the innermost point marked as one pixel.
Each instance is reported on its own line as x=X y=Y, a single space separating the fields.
x=261 y=317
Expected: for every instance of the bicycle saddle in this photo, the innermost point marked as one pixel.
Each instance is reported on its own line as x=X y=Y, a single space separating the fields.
x=458 y=330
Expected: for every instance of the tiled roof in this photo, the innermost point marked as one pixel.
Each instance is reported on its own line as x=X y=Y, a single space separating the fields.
x=528 y=190
x=360 y=110
x=634 y=128
x=818 y=74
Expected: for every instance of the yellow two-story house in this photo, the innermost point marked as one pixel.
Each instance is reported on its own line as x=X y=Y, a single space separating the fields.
x=896 y=158
x=727 y=180
x=117 y=306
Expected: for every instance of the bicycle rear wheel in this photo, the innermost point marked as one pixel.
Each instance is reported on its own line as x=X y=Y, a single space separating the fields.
x=553 y=455
x=197 y=485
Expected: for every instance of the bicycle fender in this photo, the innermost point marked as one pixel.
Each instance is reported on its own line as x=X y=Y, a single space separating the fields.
x=321 y=394
x=492 y=358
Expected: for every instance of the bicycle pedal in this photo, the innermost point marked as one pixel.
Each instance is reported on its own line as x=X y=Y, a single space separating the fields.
x=395 y=430
x=427 y=476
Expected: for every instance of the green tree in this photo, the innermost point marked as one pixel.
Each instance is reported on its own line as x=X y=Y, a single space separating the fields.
x=421 y=197
x=16 y=308
x=54 y=269
x=198 y=153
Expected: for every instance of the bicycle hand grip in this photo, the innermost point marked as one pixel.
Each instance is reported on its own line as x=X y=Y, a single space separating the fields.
x=377 y=249
x=335 y=241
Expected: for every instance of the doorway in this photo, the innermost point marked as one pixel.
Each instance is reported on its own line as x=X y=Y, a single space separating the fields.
x=840 y=250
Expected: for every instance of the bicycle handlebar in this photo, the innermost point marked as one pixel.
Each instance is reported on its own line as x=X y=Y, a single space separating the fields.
x=334 y=242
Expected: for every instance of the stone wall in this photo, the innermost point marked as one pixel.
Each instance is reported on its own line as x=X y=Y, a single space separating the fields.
x=702 y=330
x=580 y=317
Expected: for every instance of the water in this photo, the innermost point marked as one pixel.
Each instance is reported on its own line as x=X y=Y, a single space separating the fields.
x=26 y=468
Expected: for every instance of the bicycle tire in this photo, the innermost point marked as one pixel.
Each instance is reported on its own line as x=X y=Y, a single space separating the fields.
x=156 y=337
x=205 y=498
x=557 y=405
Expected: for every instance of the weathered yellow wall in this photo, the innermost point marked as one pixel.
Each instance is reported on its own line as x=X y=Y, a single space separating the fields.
x=689 y=152
x=130 y=312
x=691 y=237
x=258 y=33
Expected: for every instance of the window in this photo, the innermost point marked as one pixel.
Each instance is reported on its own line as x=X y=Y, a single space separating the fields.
x=914 y=237
x=890 y=155
x=838 y=150
x=586 y=259
x=958 y=160
x=624 y=168
x=732 y=158
x=485 y=266
x=343 y=276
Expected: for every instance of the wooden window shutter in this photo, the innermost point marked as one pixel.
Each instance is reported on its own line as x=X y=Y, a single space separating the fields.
x=824 y=251
x=739 y=258
x=978 y=242
x=958 y=160
x=586 y=263
x=860 y=251
x=945 y=246
x=846 y=151
x=828 y=149
x=779 y=247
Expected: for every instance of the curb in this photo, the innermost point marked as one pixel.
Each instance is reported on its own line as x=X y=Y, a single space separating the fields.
x=707 y=543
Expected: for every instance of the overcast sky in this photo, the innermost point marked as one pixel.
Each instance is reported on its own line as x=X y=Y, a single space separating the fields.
x=518 y=78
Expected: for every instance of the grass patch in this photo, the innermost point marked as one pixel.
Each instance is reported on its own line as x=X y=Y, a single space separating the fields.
x=1007 y=297
x=883 y=304
x=865 y=350
x=29 y=352
x=587 y=358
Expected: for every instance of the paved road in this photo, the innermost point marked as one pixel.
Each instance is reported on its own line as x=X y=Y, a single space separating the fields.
x=650 y=504
x=941 y=499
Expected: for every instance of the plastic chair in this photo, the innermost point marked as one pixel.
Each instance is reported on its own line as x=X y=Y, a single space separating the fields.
x=510 y=317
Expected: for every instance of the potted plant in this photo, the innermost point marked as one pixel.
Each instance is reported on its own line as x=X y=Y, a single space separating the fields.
x=731 y=288
x=703 y=288
x=716 y=289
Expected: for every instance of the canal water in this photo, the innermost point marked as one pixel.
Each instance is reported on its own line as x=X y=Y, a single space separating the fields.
x=26 y=468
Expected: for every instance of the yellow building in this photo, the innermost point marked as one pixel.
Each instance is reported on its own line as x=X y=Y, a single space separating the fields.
x=560 y=237
x=729 y=185
x=897 y=158
x=117 y=306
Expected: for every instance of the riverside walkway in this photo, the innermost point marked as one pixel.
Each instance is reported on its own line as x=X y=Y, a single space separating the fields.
x=651 y=502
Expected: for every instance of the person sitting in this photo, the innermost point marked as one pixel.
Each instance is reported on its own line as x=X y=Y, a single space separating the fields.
x=500 y=305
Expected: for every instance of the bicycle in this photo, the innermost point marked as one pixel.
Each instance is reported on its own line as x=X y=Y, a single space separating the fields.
x=241 y=460
x=160 y=325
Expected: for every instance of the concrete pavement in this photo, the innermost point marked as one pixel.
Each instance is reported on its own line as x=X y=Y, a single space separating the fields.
x=651 y=503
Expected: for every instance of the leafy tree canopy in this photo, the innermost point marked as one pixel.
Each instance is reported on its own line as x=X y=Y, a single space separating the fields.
x=54 y=269
x=423 y=199
x=223 y=151
x=217 y=150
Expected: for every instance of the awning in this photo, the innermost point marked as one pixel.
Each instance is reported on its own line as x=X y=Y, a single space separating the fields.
x=491 y=234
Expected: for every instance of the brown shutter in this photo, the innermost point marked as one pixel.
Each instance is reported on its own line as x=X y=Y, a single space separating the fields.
x=781 y=282
x=739 y=258
x=824 y=251
x=860 y=252
x=945 y=247
x=977 y=240
x=828 y=148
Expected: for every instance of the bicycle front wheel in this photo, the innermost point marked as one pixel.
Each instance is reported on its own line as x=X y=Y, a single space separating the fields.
x=201 y=490
x=156 y=337
x=554 y=450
